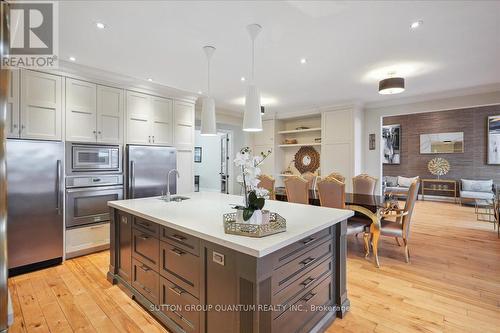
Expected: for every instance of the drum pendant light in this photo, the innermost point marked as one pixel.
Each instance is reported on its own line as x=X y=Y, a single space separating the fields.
x=252 y=119
x=208 y=122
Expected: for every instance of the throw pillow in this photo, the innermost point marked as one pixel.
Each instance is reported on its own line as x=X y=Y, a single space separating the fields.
x=405 y=181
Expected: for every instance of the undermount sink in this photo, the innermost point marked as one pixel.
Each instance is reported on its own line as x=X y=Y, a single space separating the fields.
x=176 y=198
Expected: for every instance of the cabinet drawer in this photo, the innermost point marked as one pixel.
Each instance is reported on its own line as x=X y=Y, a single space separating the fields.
x=290 y=252
x=301 y=313
x=146 y=226
x=182 y=240
x=146 y=248
x=307 y=279
x=285 y=273
x=180 y=305
x=145 y=280
x=181 y=267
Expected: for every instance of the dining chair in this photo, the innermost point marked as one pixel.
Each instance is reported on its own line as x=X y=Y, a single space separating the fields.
x=396 y=222
x=267 y=183
x=337 y=176
x=364 y=184
x=297 y=190
x=332 y=194
x=311 y=178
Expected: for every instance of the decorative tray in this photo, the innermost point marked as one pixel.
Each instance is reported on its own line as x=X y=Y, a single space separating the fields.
x=275 y=225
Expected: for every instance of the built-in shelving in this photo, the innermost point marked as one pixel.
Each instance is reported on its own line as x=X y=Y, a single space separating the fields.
x=316 y=129
x=300 y=144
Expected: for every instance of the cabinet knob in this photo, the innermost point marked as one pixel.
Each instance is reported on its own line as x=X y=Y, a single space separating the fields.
x=99 y=132
x=15 y=126
x=94 y=131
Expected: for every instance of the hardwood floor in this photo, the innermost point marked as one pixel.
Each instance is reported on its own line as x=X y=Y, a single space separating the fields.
x=451 y=285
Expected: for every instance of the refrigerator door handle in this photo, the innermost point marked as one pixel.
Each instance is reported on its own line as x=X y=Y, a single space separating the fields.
x=58 y=188
x=132 y=180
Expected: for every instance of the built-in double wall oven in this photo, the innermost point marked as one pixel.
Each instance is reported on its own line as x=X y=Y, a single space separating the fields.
x=94 y=176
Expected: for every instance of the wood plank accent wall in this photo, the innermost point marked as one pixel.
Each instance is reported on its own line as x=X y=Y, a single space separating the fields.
x=470 y=164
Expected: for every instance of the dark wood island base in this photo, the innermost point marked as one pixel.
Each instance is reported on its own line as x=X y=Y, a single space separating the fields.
x=192 y=285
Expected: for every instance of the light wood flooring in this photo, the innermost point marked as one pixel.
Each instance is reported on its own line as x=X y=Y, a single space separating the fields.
x=451 y=285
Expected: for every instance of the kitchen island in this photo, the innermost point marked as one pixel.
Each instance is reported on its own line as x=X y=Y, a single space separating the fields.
x=175 y=259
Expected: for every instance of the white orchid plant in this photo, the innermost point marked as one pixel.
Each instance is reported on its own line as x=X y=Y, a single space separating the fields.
x=249 y=179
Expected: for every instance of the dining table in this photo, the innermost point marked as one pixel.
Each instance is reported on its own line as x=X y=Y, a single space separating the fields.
x=367 y=205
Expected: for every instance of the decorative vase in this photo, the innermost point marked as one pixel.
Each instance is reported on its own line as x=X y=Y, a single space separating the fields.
x=258 y=217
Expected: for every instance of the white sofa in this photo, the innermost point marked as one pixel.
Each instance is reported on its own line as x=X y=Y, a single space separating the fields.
x=398 y=186
x=472 y=190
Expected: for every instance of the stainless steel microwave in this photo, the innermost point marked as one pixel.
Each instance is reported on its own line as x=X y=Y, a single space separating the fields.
x=89 y=157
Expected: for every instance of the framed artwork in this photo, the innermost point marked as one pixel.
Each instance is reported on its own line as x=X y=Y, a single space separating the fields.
x=197 y=154
x=391 y=144
x=494 y=140
x=371 y=141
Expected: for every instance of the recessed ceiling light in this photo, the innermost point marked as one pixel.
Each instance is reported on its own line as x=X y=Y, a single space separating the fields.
x=100 y=25
x=303 y=61
x=416 y=24
x=72 y=58
x=200 y=92
x=243 y=79
x=150 y=79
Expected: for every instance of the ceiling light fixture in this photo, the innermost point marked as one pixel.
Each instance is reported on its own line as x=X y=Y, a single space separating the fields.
x=150 y=79
x=208 y=122
x=391 y=85
x=252 y=119
x=100 y=25
x=72 y=58
x=303 y=61
x=242 y=79
x=416 y=24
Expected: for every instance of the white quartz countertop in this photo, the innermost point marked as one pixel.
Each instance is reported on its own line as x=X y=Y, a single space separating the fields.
x=201 y=216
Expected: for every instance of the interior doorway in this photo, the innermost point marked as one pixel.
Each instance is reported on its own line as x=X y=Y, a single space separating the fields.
x=213 y=167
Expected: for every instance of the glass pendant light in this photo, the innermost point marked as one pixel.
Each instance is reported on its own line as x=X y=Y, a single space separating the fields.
x=208 y=122
x=252 y=119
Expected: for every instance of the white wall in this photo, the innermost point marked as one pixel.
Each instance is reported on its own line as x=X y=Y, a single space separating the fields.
x=373 y=121
x=209 y=168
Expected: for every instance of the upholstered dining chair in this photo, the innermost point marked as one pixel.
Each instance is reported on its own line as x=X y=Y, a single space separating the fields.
x=297 y=190
x=364 y=184
x=396 y=223
x=332 y=194
x=267 y=183
x=311 y=178
x=337 y=176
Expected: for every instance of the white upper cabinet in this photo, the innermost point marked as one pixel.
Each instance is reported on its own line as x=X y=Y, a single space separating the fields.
x=149 y=119
x=183 y=124
x=94 y=113
x=109 y=115
x=13 y=118
x=81 y=111
x=161 y=121
x=266 y=136
x=41 y=106
x=138 y=118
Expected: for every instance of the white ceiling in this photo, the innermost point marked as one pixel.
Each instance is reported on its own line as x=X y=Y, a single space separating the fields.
x=349 y=46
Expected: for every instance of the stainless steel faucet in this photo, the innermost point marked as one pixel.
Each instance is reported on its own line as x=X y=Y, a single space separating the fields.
x=168 y=196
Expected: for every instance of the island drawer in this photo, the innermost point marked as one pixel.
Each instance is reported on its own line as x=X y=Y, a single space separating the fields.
x=151 y=228
x=180 y=266
x=303 y=263
x=302 y=311
x=308 y=279
x=180 y=306
x=182 y=240
x=292 y=251
x=145 y=280
x=146 y=248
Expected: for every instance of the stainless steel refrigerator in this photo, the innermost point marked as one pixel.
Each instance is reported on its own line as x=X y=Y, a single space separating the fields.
x=147 y=169
x=5 y=309
x=35 y=203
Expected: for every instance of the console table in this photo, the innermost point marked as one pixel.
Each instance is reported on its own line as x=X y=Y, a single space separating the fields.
x=439 y=187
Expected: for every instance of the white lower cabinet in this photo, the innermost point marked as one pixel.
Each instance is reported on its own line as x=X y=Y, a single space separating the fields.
x=80 y=241
x=185 y=166
x=41 y=106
